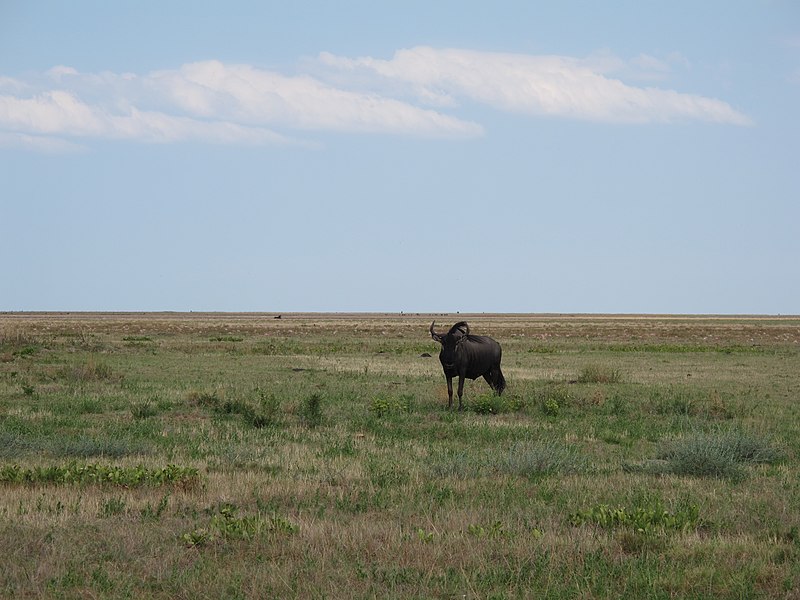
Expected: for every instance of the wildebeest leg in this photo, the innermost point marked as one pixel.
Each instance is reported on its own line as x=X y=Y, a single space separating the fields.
x=460 y=390
x=449 y=392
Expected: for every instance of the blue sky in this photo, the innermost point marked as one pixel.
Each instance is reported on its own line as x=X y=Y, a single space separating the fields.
x=400 y=156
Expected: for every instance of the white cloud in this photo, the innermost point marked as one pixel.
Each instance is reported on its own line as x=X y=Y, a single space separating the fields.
x=8 y=84
x=60 y=71
x=543 y=85
x=251 y=95
x=51 y=112
x=209 y=102
x=39 y=143
x=62 y=113
x=417 y=92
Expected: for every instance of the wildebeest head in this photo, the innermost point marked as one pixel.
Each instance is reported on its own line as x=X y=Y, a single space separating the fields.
x=450 y=341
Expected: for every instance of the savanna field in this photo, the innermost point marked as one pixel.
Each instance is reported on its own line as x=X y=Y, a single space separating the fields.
x=313 y=456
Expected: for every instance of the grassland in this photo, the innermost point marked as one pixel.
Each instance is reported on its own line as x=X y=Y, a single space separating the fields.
x=312 y=456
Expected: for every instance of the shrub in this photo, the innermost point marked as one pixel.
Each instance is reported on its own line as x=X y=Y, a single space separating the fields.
x=550 y=407
x=488 y=404
x=492 y=404
x=721 y=454
x=718 y=454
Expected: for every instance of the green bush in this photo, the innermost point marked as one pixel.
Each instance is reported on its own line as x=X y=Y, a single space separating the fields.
x=550 y=407
x=488 y=404
x=722 y=454
x=719 y=454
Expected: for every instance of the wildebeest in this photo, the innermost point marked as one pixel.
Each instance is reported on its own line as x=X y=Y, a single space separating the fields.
x=464 y=355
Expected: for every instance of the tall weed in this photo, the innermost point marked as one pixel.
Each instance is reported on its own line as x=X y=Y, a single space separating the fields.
x=311 y=411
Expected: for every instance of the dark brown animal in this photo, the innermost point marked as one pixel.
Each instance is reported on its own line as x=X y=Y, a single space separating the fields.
x=468 y=356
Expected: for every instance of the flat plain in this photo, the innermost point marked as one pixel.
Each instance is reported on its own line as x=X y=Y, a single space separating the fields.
x=206 y=455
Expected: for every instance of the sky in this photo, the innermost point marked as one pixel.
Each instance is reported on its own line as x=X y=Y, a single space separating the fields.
x=415 y=156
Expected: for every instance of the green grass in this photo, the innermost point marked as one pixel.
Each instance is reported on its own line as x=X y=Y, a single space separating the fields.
x=314 y=456
x=74 y=473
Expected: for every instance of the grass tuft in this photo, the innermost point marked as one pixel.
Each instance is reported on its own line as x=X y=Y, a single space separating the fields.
x=537 y=459
x=88 y=372
x=144 y=410
x=599 y=374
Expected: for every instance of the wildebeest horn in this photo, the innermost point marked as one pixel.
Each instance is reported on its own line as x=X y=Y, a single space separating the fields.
x=435 y=335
